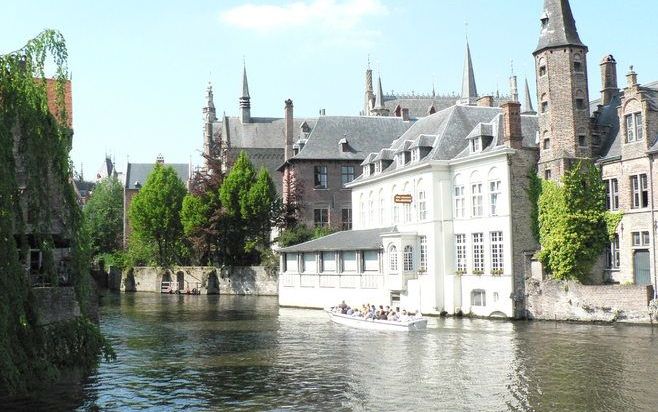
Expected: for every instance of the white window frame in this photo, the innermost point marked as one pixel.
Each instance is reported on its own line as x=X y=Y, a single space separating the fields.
x=408 y=258
x=422 y=206
x=422 y=264
x=478 y=252
x=393 y=258
x=460 y=202
x=497 y=251
x=494 y=195
x=460 y=252
x=476 y=199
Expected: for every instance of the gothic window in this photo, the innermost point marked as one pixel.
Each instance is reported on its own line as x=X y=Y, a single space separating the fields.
x=547 y=143
x=346 y=174
x=476 y=199
x=611 y=194
x=494 y=196
x=612 y=253
x=381 y=207
x=547 y=174
x=346 y=219
x=639 y=191
x=320 y=177
x=422 y=206
x=634 y=127
x=321 y=217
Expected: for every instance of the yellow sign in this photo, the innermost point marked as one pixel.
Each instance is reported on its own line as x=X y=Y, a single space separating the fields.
x=402 y=199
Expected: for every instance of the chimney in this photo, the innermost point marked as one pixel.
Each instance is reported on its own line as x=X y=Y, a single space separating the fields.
x=485 y=101
x=631 y=77
x=513 y=135
x=405 y=114
x=288 y=153
x=159 y=159
x=322 y=112
x=608 y=79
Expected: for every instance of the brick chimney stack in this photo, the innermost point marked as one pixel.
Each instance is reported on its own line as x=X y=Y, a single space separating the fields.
x=485 y=101
x=405 y=114
x=608 y=79
x=289 y=129
x=513 y=136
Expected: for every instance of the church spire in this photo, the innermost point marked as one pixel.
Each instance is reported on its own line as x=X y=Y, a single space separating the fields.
x=209 y=112
x=209 y=117
x=558 y=27
x=527 y=104
x=245 y=103
x=469 y=89
x=379 y=109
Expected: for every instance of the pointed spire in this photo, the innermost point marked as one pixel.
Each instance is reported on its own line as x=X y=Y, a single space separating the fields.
x=513 y=85
x=379 y=109
x=245 y=84
x=209 y=113
x=527 y=104
x=469 y=89
x=558 y=27
x=245 y=103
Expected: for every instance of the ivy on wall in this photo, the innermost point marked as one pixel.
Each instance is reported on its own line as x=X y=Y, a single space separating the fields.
x=572 y=222
x=37 y=199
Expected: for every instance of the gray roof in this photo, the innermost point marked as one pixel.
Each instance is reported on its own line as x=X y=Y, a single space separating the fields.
x=365 y=134
x=560 y=28
x=447 y=130
x=260 y=132
x=369 y=239
x=139 y=172
x=419 y=105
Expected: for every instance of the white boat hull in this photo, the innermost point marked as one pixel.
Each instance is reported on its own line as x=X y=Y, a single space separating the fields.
x=370 y=324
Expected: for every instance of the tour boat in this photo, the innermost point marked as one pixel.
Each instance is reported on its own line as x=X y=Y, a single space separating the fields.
x=371 y=324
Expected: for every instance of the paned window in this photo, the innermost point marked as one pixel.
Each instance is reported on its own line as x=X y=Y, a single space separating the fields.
x=422 y=206
x=460 y=202
x=407 y=212
x=346 y=215
x=321 y=217
x=612 y=255
x=476 y=145
x=422 y=265
x=639 y=191
x=640 y=238
x=497 y=251
x=408 y=258
x=460 y=248
x=346 y=174
x=414 y=155
x=328 y=261
x=321 y=177
x=494 y=194
x=611 y=194
x=393 y=258
x=634 y=127
x=478 y=252
x=348 y=260
x=476 y=196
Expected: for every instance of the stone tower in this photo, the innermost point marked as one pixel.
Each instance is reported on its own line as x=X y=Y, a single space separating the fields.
x=245 y=100
x=562 y=95
x=209 y=117
x=608 y=79
x=369 y=98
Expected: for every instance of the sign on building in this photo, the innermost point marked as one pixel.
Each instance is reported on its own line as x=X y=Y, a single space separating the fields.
x=402 y=199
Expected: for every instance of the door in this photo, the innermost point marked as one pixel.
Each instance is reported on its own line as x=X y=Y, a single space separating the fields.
x=641 y=268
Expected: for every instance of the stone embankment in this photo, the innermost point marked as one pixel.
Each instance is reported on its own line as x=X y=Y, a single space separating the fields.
x=572 y=301
x=252 y=280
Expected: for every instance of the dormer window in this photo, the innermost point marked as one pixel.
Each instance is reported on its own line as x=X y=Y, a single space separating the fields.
x=476 y=145
x=372 y=168
x=415 y=155
x=407 y=157
x=378 y=167
x=544 y=21
x=634 y=127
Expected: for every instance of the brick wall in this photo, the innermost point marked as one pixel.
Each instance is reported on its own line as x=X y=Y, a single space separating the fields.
x=568 y=300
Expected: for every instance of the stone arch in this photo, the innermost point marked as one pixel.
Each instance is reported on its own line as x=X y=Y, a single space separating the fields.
x=212 y=287
x=497 y=314
x=493 y=174
x=475 y=177
x=635 y=106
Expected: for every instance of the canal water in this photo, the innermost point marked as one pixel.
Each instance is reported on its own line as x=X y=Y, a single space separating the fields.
x=245 y=353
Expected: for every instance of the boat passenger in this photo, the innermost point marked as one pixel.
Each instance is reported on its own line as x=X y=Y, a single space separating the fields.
x=404 y=317
x=393 y=316
x=349 y=311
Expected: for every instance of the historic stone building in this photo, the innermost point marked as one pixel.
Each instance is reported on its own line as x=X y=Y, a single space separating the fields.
x=618 y=131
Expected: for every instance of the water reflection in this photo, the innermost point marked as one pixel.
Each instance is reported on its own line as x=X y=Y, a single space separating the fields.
x=244 y=353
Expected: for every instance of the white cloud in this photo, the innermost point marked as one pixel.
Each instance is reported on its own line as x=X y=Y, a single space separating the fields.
x=341 y=19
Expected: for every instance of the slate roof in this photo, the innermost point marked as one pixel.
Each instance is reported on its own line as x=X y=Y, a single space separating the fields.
x=261 y=132
x=560 y=29
x=369 y=239
x=365 y=134
x=419 y=105
x=139 y=172
x=448 y=129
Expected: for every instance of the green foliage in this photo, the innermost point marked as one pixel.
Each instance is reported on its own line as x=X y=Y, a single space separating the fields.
x=572 y=222
x=103 y=215
x=155 y=214
x=296 y=235
x=35 y=182
x=235 y=189
x=612 y=220
x=194 y=213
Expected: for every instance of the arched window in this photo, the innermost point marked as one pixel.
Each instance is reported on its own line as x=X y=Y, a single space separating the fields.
x=542 y=66
x=371 y=208
x=362 y=206
x=381 y=207
x=460 y=200
x=580 y=100
x=393 y=258
x=494 y=191
x=577 y=63
x=395 y=212
x=476 y=195
x=422 y=206
x=408 y=258
x=544 y=103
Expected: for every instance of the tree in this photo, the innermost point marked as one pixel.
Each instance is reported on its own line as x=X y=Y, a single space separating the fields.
x=573 y=228
x=258 y=208
x=103 y=217
x=155 y=214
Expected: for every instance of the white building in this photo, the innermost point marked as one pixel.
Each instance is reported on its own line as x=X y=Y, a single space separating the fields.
x=441 y=220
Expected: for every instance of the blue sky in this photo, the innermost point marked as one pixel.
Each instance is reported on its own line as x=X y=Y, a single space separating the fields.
x=140 y=68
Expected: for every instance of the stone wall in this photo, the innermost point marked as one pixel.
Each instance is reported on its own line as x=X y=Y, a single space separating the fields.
x=568 y=300
x=55 y=305
x=252 y=280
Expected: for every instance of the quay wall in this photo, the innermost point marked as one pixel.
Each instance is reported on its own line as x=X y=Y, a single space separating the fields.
x=251 y=280
x=55 y=304
x=572 y=301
